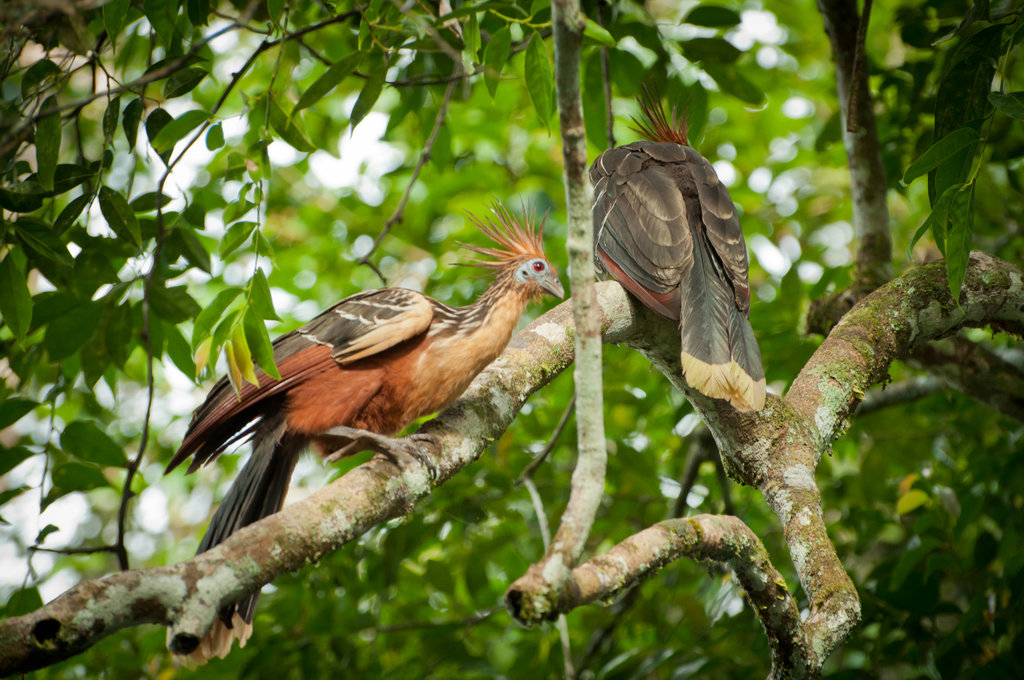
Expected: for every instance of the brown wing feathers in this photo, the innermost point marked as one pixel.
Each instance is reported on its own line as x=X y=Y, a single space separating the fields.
x=666 y=228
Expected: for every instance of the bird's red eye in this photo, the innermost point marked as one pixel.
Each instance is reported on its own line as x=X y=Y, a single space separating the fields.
x=538 y=266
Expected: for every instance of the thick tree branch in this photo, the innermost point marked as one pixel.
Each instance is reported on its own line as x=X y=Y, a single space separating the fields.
x=775 y=450
x=719 y=538
x=537 y=587
x=980 y=373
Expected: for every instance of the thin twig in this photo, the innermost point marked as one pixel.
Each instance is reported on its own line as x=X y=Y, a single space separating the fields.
x=396 y=217
x=76 y=551
x=414 y=625
x=698 y=453
x=539 y=460
x=605 y=69
x=858 y=68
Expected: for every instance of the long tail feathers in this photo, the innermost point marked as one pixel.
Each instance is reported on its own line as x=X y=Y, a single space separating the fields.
x=259 y=491
x=719 y=354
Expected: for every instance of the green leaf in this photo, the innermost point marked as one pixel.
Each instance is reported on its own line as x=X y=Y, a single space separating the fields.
x=939 y=153
x=130 y=121
x=37 y=73
x=117 y=333
x=22 y=197
x=595 y=118
x=13 y=457
x=710 y=51
x=68 y=332
x=712 y=16
x=292 y=128
x=71 y=212
x=1011 y=104
x=243 y=355
x=13 y=410
x=39 y=237
x=23 y=602
x=192 y=248
x=909 y=560
x=594 y=34
x=959 y=238
x=495 y=58
x=961 y=100
x=183 y=82
x=78 y=477
x=198 y=12
x=120 y=216
x=15 y=301
x=539 y=81
x=85 y=441
x=156 y=121
x=236 y=210
x=44 y=532
x=830 y=133
x=911 y=501
x=330 y=79
x=236 y=236
x=259 y=343
x=162 y=15
x=48 y=143
x=471 y=38
x=735 y=83
x=173 y=304
x=176 y=129
x=371 y=90
x=212 y=313
x=936 y=221
x=274 y=9
x=261 y=299
x=215 y=137
x=179 y=351
x=8 y=495
x=114 y=14
x=110 y=118
x=979 y=10
x=144 y=203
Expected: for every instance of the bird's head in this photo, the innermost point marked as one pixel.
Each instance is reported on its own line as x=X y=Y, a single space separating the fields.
x=519 y=261
x=655 y=125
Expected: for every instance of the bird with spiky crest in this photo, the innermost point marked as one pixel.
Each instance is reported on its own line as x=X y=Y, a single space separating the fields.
x=667 y=230
x=351 y=378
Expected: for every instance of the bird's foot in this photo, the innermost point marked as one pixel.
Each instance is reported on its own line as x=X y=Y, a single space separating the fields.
x=363 y=440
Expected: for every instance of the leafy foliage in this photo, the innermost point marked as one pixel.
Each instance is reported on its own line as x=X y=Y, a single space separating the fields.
x=124 y=237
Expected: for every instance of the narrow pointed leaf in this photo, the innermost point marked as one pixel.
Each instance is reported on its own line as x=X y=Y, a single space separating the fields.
x=48 y=143
x=495 y=56
x=215 y=137
x=114 y=14
x=236 y=236
x=15 y=298
x=539 y=80
x=85 y=441
x=936 y=222
x=370 y=93
x=130 y=121
x=940 y=152
x=329 y=80
x=171 y=133
x=1011 y=104
x=261 y=299
x=37 y=236
x=120 y=216
x=243 y=357
x=959 y=238
x=292 y=128
x=259 y=342
x=212 y=313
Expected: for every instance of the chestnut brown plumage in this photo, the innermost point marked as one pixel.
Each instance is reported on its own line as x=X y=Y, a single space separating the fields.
x=667 y=230
x=376 y=362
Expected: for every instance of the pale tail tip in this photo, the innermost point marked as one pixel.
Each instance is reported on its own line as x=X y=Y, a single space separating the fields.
x=725 y=381
x=217 y=642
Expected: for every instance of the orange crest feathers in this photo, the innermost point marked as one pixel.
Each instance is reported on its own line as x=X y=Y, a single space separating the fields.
x=516 y=240
x=656 y=126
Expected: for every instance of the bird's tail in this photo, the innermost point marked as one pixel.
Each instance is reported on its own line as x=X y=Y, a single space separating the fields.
x=719 y=354
x=259 y=491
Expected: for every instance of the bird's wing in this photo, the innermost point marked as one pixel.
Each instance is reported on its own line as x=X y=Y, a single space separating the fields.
x=355 y=328
x=640 y=218
x=718 y=213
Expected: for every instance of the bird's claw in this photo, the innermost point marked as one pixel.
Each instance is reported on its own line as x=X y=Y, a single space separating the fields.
x=396 y=449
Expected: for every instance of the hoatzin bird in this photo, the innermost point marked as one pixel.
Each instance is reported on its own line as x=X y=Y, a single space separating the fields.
x=368 y=366
x=666 y=229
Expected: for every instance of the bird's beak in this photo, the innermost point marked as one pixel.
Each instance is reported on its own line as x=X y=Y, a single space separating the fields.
x=552 y=286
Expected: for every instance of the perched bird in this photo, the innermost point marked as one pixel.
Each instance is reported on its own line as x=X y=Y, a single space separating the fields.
x=666 y=229
x=368 y=366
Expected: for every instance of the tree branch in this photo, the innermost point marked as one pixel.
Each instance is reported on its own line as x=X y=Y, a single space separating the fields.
x=533 y=592
x=775 y=450
x=863 y=152
x=980 y=373
x=901 y=393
